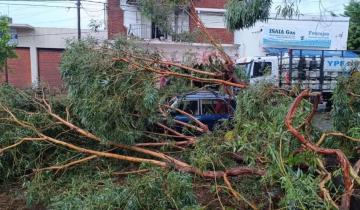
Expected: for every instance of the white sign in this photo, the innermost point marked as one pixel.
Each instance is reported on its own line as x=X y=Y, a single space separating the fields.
x=292 y=37
x=341 y=64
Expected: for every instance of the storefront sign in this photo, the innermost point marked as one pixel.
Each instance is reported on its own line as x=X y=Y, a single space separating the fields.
x=292 y=37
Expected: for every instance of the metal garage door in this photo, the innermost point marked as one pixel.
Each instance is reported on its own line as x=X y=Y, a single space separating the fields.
x=49 y=67
x=19 y=69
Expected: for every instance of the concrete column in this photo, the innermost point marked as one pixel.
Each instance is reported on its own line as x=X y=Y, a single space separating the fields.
x=34 y=67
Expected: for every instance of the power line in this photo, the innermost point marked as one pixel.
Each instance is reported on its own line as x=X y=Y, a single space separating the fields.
x=46 y=1
x=55 y=34
x=56 y=1
x=38 y=5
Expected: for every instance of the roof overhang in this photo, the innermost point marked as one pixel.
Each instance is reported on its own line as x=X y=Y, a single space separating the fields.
x=25 y=27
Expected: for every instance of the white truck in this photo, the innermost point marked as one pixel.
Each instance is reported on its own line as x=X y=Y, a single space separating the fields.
x=316 y=70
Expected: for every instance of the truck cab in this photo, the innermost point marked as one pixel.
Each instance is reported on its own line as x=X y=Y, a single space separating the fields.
x=317 y=70
x=261 y=69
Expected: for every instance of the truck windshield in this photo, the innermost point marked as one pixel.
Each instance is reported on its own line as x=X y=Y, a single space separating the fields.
x=261 y=69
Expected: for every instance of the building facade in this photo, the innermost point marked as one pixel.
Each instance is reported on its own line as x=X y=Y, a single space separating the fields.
x=39 y=52
x=124 y=18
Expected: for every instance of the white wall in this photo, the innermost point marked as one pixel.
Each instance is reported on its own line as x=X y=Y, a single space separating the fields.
x=186 y=52
x=53 y=37
x=250 y=40
x=133 y=19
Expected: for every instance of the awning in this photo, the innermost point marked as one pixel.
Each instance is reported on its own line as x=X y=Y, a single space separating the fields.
x=311 y=53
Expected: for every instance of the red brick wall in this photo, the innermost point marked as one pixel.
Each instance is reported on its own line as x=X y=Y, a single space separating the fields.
x=115 y=21
x=49 y=67
x=19 y=69
x=219 y=4
x=2 y=76
x=223 y=35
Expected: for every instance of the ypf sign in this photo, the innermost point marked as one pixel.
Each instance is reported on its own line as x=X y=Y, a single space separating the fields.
x=341 y=64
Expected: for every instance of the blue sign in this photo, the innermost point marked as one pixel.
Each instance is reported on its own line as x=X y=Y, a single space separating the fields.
x=292 y=37
x=297 y=43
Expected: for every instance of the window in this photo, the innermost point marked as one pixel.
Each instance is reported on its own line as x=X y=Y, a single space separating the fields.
x=218 y=106
x=261 y=69
x=190 y=107
x=213 y=19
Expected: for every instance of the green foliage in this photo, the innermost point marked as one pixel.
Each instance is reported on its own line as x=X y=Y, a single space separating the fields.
x=6 y=51
x=210 y=152
x=262 y=139
x=244 y=14
x=265 y=108
x=30 y=155
x=346 y=108
x=288 y=9
x=341 y=112
x=112 y=99
x=352 y=10
x=157 y=189
x=346 y=113
x=161 y=190
x=301 y=189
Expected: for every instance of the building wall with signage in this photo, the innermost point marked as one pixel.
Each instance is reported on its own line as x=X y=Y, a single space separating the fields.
x=305 y=32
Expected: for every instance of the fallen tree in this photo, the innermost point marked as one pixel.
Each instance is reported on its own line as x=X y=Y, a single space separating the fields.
x=114 y=112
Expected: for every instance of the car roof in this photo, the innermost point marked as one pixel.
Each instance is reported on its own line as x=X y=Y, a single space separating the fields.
x=204 y=94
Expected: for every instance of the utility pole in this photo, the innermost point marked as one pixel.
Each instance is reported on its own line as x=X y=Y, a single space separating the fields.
x=78 y=4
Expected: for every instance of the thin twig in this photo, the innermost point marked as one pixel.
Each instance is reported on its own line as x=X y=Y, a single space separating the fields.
x=130 y=172
x=62 y=167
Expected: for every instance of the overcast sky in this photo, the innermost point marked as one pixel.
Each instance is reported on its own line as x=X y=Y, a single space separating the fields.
x=62 y=14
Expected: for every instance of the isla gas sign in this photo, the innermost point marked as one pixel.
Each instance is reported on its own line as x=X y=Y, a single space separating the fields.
x=281 y=31
x=291 y=37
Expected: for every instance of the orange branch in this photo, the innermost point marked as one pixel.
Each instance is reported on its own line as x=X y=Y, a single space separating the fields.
x=345 y=164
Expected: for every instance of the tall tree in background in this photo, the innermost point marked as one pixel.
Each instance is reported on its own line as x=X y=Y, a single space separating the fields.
x=6 y=50
x=353 y=11
x=244 y=14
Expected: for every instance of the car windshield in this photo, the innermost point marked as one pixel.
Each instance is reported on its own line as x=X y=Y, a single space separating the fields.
x=190 y=106
x=214 y=106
